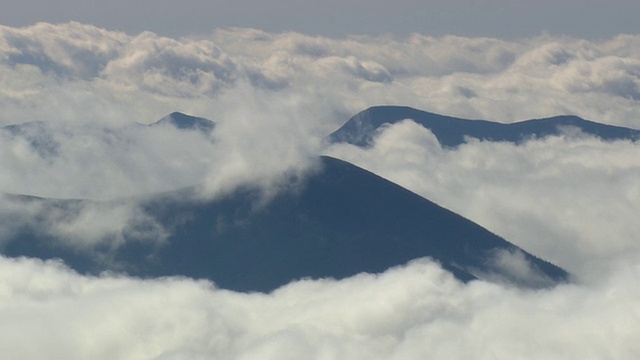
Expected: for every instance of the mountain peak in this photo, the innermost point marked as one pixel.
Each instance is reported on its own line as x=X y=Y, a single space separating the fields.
x=361 y=129
x=186 y=122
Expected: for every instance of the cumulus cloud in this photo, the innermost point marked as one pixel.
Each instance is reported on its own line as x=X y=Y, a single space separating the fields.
x=408 y=312
x=171 y=67
x=49 y=72
x=71 y=51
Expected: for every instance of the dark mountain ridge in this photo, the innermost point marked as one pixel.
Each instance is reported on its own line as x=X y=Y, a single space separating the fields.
x=176 y=119
x=337 y=222
x=451 y=132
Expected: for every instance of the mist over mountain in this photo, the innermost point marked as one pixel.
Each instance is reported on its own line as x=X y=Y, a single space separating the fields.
x=186 y=122
x=39 y=129
x=38 y=134
x=451 y=132
x=335 y=222
x=94 y=160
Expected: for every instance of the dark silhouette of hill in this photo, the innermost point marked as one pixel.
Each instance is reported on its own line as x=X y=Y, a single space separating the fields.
x=451 y=131
x=40 y=130
x=336 y=222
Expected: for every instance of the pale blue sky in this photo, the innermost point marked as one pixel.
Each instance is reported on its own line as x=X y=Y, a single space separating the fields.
x=590 y=19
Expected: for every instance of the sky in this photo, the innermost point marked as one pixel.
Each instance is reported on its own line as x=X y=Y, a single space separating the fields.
x=91 y=75
x=592 y=19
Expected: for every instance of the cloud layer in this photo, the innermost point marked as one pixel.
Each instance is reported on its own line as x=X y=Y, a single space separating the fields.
x=408 y=312
x=571 y=199
x=75 y=72
x=273 y=95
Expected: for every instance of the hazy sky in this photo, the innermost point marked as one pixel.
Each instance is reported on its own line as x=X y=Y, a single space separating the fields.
x=496 y=18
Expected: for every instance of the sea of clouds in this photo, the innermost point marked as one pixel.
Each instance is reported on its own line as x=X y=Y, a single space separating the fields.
x=571 y=199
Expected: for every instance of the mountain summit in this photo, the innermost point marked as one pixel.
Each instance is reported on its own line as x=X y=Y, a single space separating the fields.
x=186 y=122
x=451 y=132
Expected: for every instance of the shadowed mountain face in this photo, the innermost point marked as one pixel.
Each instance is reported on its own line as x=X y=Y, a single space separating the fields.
x=451 y=132
x=339 y=221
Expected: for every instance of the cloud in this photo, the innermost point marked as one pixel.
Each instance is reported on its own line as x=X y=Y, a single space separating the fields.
x=513 y=266
x=99 y=162
x=71 y=51
x=172 y=67
x=51 y=71
x=407 y=312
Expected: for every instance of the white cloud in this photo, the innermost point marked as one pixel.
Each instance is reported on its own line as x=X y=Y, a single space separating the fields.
x=174 y=68
x=50 y=72
x=101 y=162
x=70 y=51
x=405 y=313
x=513 y=266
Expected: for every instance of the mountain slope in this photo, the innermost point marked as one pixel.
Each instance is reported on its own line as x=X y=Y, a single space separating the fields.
x=337 y=222
x=451 y=131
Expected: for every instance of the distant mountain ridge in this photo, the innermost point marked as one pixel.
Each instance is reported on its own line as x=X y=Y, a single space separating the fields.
x=339 y=221
x=451 y=132
x=176 y=119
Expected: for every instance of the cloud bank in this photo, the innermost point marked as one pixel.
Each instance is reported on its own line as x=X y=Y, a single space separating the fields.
x=570 y=199
x=274 y=96
x=76 y=72
x=407 y=312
